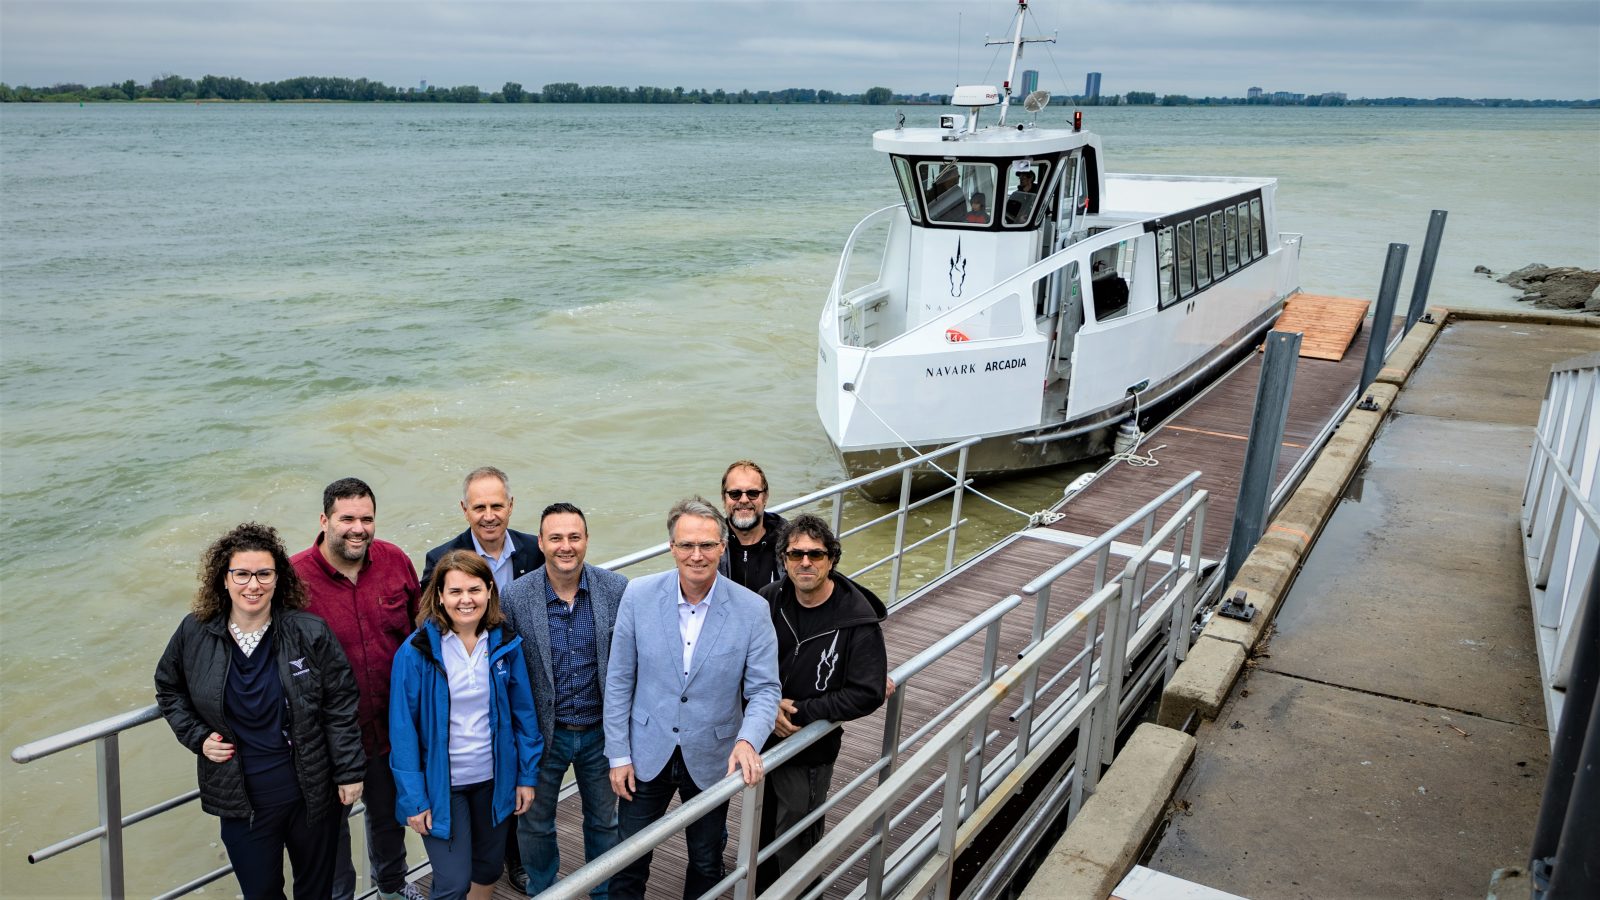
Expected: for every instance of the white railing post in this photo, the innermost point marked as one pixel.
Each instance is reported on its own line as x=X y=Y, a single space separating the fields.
x=108 y=766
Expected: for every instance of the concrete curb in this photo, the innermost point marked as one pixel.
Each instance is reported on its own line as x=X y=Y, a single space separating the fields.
x=1202 y=683
x=1103 y=842
x=1403 y=361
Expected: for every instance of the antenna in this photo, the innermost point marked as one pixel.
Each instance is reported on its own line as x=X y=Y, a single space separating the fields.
x=1036 y=101
x=958 y=48
x=1016 y=41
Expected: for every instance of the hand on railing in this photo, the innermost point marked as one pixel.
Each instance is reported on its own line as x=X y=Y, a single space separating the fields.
x=745 y=758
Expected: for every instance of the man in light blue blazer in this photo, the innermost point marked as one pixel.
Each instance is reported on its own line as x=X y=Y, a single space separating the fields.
x=688 y=647
x=564 y=612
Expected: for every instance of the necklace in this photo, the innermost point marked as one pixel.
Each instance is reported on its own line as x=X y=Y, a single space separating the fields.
x=248 y=642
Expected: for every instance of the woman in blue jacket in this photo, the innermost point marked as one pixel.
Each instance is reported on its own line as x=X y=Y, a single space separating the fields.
x=462 y=726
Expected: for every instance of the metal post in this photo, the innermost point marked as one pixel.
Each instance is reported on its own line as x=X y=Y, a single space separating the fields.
x=749 y=838
x=1378 y=342
x=108 y=765
x=1424 y=280
x=1563 y=806
x=892 y=715
x=899 y=537
x=1266 y=438
x=955 y=509
x=1576 y=869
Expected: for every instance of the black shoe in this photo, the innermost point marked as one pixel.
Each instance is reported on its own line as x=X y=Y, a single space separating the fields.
x=518 y=876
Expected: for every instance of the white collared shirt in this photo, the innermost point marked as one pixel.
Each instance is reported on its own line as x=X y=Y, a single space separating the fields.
x=691 y=620
x=500 y=568
x=471 y=750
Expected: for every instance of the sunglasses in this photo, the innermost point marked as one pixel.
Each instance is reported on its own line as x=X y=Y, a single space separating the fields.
x=736 y=494
x=813 y=555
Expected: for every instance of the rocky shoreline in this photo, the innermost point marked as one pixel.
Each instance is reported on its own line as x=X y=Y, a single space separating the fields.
x=1554 y=287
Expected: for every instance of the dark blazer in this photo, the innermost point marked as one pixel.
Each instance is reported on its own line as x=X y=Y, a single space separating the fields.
x=524 y=559
x=525 y=611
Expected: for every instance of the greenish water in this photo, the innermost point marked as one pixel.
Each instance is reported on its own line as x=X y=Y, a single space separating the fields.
x=209 y=312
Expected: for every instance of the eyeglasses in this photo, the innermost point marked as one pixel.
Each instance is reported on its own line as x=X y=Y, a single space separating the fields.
x=813 y=555
x=242 y=577
x=689 y=547
x=736 y=494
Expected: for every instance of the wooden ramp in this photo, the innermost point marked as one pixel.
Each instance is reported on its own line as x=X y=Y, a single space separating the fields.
x=1328 y=324
x=1208 y=435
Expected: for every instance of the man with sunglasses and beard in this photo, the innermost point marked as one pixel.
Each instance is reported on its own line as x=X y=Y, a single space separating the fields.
x=752 y=557
x=832 y=667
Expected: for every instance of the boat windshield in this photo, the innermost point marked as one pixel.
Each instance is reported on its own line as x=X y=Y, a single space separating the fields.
x=958 y=192
x=1023 y=184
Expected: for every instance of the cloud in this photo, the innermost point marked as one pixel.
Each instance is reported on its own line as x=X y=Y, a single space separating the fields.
x=1217 y=47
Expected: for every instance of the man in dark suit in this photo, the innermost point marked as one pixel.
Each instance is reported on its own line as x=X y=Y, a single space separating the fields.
x=564 y=612
x=486 y=500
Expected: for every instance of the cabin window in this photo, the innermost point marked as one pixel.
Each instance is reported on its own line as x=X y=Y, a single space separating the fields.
x=1255 y=229
x=1230 y=220
x=908 y=189
x=1202 y=251
x=958 y=193
x=1185 y=259
x=1111 y=279
x=1217 y=238
x=1164 y=266
x=1024 y=184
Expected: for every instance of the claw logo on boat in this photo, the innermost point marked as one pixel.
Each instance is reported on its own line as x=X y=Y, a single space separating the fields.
x=958 y=271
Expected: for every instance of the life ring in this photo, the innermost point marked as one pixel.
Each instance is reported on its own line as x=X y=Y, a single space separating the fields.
x=955 y=335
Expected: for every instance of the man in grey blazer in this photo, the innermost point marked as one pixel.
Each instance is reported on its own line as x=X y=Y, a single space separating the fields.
x=689 y=646
x=564 y=611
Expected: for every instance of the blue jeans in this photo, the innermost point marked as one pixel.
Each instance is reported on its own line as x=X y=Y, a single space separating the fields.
x=536 y=828
x=705 y=838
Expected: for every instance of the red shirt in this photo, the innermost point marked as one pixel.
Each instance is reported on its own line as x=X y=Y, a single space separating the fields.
x=371 y=618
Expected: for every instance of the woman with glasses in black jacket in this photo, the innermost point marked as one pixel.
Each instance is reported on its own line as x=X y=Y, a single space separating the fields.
x=260 y=691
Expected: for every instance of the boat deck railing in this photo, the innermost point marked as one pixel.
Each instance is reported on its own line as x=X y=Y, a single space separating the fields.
x=1561 y=519
x=106 y=733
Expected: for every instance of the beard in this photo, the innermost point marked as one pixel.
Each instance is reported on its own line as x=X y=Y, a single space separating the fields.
x=744 y=519
x=350 y=555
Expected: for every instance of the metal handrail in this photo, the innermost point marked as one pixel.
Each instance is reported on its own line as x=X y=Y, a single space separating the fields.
x=1560 y=519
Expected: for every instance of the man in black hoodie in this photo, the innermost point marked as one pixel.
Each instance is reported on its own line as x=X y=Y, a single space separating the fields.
x=832 y=666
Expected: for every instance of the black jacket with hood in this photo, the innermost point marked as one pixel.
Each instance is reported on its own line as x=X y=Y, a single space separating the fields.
x=192 y=677
x=835 y=673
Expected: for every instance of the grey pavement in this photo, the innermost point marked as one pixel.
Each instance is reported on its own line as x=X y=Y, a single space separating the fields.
x=1389 y=740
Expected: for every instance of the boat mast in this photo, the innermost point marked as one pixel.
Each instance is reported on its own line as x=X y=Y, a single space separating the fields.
x=1016 y=42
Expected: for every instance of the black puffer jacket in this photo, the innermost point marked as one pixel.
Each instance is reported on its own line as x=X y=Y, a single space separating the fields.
x=193 y=674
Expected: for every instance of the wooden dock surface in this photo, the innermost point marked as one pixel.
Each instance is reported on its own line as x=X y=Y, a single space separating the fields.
x=1209 y=435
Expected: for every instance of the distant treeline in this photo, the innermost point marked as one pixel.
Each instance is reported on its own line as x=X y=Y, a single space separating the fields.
x=217 y=87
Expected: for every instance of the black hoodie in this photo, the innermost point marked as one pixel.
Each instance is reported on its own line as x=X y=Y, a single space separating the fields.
x=831 y=658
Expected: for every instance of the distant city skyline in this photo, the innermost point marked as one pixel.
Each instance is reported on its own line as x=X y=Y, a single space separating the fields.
x=1363 y=48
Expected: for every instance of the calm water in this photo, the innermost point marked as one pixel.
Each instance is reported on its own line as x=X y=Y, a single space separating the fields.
x=209 y=312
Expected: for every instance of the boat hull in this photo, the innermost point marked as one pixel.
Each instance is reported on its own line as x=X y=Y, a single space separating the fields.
x=1071 y=441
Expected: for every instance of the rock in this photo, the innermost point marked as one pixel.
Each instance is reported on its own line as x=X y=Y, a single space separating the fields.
x=1556 y=287
x=1481 y=270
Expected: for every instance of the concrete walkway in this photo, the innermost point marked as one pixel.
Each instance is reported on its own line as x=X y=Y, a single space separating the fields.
x=1389 y=739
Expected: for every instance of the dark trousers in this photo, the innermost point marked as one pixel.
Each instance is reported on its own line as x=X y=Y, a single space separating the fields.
x=256 y=846
x=386 y=837
x=475 y=850
x=792 y=792
x=705 y=837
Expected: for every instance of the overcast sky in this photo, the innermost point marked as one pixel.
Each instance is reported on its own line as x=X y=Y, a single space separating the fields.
x=1366 y=48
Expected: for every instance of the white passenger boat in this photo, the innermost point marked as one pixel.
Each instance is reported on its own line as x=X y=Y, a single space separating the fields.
x=1023 y=294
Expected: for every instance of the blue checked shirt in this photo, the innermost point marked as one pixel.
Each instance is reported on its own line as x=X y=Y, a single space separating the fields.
x=573 y=658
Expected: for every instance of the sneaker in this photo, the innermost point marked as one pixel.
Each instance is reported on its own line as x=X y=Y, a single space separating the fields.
x=518 y=878
x=410 y=891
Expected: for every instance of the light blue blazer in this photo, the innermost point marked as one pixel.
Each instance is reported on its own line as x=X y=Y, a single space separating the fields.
x=651 y=707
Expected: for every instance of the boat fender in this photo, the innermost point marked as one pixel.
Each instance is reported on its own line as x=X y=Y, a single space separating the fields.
x=1128 y=437
x=955 y=335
